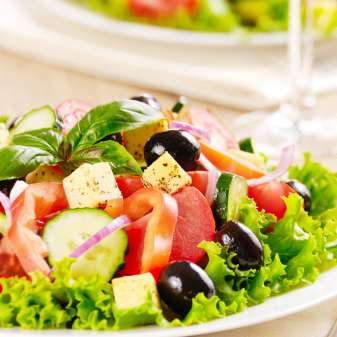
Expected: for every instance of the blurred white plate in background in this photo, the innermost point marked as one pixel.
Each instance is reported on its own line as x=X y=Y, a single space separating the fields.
x=243 y=76
x=84 y=17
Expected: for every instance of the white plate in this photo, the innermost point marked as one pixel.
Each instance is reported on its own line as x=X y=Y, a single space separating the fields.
x=81 y=16
x=297 y=300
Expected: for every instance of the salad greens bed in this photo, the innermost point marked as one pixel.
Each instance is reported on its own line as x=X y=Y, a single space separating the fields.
x=214 y=15
x=301 y=247
x=297 y=247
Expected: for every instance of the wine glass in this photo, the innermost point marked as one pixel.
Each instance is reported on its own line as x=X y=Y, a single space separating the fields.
x=296 y=120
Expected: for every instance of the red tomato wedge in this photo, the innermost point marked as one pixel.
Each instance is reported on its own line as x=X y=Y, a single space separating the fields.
x=199 y=180
x=195 y=224
x=268 y=197
x=150 y=237
x=230 y=163
x=221 y=138
x=37 y=201
x=160 y=8
x=130 y=184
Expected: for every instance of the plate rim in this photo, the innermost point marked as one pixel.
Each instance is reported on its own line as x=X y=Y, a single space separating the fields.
x=82 y=16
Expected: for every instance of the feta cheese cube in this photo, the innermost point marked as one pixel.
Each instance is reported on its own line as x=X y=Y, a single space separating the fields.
x=91 y=185
x=133 y=291
x=166 y=174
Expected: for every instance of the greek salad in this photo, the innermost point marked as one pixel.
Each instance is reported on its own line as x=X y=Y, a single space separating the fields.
x=213 y=15
x=128 y=214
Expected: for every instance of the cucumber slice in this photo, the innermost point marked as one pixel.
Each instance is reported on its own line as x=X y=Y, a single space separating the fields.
x=3 y=224
x=230 y=189
x=70 y=228
x=246 y=145
x=44 y=117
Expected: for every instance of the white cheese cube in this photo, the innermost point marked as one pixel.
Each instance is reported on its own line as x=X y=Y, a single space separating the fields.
x=91 y=185
x=166 y=174
x=133 y=291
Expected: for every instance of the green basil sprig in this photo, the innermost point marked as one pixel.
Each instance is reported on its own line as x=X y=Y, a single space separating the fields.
x=83 y=143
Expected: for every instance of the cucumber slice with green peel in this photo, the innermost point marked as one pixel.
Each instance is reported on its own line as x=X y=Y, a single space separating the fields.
x=3 y=224
x=72 y=227
x=230 y=189
x=41 y=118
x=246 y=145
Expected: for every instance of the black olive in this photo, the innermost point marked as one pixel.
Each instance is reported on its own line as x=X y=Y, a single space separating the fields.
x=303 y=191
x=147 y=99
x=241 y=240
x=180 y=282
x=117 y=137
x=181 y=145
x=7 y=185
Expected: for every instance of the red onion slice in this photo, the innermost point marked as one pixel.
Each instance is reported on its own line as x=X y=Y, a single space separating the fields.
x=198 y=132
x=6 y=204
x=286 y=159
x=69 y=106
x=213 y=175
x=71 y=112
x=116 y=224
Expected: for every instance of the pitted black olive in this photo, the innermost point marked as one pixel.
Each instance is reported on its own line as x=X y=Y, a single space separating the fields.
x=7 y=185
x=147 y=99
x=303 y=191
x=181 y=145
x=241 y=240
x=180 y=282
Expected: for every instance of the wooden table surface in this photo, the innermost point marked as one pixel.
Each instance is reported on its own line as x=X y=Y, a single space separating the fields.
x=27 y=84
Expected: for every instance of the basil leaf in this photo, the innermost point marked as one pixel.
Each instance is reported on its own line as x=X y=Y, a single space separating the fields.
x=112 y=152
x=48 y=140
x=108 y=119
x=17 y=160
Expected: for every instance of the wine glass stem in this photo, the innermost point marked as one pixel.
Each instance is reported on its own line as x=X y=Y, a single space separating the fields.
x=300 y=57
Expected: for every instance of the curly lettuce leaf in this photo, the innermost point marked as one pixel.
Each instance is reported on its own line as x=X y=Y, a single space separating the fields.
x=321 y=182
x=61 y=303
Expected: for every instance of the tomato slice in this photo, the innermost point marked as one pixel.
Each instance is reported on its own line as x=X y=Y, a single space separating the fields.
x=150 y=237
x=268 y=197
x=199 y=180
x=226 y=161
x=37 y=201
x=195 y=224
x=129 y=184
x=221 y=138
x=160 y=8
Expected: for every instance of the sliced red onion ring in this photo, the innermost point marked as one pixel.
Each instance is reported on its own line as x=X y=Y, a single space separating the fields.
x=198 y=132
x=6 y=204
x=69 y=106
x=116 y=224
x=213 y=175
x=17 y=189
x=286 y=159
